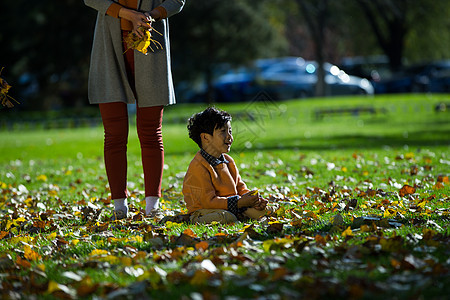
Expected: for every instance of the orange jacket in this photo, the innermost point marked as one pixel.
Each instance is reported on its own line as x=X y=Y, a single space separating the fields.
x=207 y=187
x=114 y=8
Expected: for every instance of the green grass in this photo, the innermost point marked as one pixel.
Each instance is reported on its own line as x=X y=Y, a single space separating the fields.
x=313 y=168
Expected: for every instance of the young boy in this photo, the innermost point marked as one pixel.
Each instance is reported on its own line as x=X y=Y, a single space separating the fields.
x=213 y=189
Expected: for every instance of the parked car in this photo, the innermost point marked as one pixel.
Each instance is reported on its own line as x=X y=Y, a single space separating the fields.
x=373 y=67
x=440 y=82
x=286 y=78
x=243 y=83
x=299 y=80
x=431 y=77
x=424 y=77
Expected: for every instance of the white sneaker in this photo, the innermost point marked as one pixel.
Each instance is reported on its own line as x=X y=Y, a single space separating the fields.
x=156 y=213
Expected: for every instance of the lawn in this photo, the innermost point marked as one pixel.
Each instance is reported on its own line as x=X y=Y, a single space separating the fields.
x=362 y=184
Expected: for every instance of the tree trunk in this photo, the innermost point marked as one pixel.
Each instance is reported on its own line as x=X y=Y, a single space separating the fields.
x=316 y=14
x=390 y=15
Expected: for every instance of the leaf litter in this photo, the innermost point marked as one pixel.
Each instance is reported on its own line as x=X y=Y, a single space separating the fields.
x=346 y=238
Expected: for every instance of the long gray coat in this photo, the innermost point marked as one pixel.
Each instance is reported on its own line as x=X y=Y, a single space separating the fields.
x=107 y=75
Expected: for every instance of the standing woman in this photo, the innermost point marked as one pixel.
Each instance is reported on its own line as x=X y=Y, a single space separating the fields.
x=118 y=77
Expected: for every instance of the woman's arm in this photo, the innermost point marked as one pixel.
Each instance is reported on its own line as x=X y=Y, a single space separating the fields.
x=172 y=7
x=100 y=5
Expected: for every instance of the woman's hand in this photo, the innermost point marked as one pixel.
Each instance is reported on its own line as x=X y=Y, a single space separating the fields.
x=138 y=19
x=154 y=14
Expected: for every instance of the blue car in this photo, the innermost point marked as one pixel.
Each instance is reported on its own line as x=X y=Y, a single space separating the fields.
x=286 y=78
x=419 y=78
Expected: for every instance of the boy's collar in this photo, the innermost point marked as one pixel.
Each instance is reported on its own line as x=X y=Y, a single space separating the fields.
x=213 y=161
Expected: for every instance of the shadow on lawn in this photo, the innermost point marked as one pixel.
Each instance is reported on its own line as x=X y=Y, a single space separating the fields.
x=414 y=139
x=417 y=139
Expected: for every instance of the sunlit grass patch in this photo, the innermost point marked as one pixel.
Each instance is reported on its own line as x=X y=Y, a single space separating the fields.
x=364 y=210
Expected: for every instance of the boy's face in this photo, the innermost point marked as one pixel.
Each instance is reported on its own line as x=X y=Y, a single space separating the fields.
x=220 y=142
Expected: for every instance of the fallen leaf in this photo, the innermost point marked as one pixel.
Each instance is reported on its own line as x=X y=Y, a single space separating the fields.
x=347 y=232
x=203 y=245
x=338 y=220
x=30 y=254
x=406 y=190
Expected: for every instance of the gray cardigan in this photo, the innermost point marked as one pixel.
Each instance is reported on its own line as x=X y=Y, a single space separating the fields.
x=107 y=75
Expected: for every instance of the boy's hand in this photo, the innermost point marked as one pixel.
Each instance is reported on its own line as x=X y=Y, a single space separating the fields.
x=250 y=199
x=262 y=203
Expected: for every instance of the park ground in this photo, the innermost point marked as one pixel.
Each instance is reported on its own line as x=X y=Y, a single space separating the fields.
x=362 y=184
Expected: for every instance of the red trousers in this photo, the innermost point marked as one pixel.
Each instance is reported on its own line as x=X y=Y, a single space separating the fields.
x=149 y=123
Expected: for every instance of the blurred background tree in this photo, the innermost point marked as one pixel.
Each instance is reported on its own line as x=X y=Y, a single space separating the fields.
x=402 y=28
x=209 y=34
x=45 y=45
x=45 y=48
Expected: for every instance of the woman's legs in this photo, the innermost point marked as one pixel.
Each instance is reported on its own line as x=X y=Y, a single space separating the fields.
x=149 y=123
x=115 y=123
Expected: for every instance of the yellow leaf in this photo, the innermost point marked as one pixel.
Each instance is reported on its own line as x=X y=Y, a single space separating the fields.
x=30 y=254
x=41 y=267
x=143 y=45
x=347 y=232
x=267 y=244
x=409 y=155
x=96 y=252
x=9 y=224
x=52 y=193
x=422 y=204
x=344 y=169
x=389 y=213
x=170 y=224
x=20 y=239
x=53 y=286
x=75 y=242
x=42 y=177
x=111 y=259
x=136 y=238
x=51 y=236
x=115 y=240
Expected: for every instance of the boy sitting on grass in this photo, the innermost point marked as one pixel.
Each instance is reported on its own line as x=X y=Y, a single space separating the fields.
x=213 y=189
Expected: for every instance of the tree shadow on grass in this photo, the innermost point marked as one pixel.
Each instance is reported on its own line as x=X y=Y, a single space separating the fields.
x=415 y=139
x=356 y=141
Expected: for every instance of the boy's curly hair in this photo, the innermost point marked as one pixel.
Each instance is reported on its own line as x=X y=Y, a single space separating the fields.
x=205 y=122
